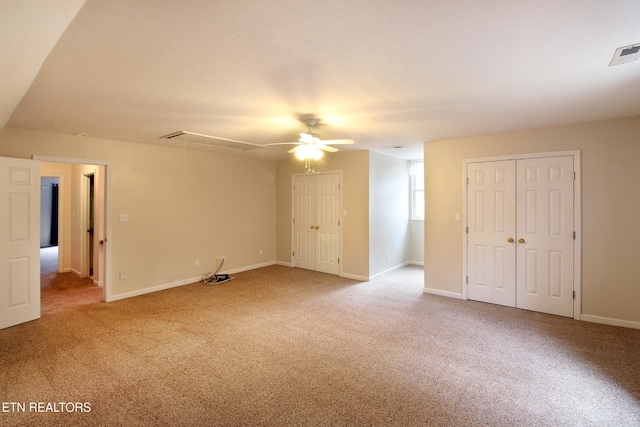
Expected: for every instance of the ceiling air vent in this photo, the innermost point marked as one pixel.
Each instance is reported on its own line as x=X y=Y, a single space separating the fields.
x=214 y=141
x=626 y=54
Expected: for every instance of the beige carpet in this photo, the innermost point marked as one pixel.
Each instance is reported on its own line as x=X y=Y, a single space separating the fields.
x=279 y=346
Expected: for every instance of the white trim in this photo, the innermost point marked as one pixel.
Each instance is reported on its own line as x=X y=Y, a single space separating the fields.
x=183 y=282
x=577 y=227
x=284 y=264
x=577 y=218
x=107 y=207
x=355 y=277
x=249 y=267
x=389 y=270
x=442 y=293
x=609 y=321
x=155 y=289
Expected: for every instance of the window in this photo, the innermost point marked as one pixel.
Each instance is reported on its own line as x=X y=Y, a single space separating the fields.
x=416 y=171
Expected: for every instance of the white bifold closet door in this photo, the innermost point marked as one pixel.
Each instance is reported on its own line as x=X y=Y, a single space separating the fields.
x=520 y=233
x=316 y=222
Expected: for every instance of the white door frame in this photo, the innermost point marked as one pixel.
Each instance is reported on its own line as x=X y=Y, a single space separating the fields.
x=293 y=177
x=107 y=205
x=577 y=221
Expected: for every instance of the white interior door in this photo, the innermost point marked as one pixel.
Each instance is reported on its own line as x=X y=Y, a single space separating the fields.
x=304 y=222
x=316 y=222
x=328 y=223
x=520 y=217
x=545 y=235
x=19 y=241
x=491 y=219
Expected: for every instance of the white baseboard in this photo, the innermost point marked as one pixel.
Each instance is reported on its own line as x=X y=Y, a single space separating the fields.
x=609 y=321
x=247 y=268
x=154 y=289
x=182 y=282
x=449 y=294
x=284 y=264
x=354 y=277
x=389 y=270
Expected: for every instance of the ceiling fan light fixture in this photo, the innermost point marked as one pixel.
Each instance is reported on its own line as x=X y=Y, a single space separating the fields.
x=306 y=137
x=308 y=152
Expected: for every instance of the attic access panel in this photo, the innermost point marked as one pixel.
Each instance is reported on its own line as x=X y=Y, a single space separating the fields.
x=626 y=54
x=213 y=141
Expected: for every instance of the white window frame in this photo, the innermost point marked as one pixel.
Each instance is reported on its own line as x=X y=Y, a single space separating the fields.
x=416 y=174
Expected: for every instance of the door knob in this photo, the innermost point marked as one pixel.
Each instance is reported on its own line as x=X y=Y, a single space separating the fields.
x=317 y=226
x=520 y=240
x=510 y=240
x=312 y=227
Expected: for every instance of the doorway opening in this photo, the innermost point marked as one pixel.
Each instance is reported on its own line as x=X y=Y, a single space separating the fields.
x=74 y=272
x=90 y=184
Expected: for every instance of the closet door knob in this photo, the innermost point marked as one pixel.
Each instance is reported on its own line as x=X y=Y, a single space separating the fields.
x=510 y=240
x=520 y=240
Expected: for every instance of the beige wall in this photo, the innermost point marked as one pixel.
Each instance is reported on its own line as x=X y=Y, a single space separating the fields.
x=355 y=200
x=610 y=208
x=416 y=241
x=181 y=208
x=389 y=216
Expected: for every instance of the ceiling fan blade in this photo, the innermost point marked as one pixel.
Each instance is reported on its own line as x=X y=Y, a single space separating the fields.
x=294 y=149
x=326 y=148
x=338 y=141
x=284 y=143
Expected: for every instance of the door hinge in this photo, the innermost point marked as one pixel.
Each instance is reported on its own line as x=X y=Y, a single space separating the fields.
x=574 y=175
x=338 y=223
x=467 y=230
x=467 y=180
x=338 y=260
x=467 y=279
x=574 y=294
x=293 y=253
x=574 y=235
x=294 y=220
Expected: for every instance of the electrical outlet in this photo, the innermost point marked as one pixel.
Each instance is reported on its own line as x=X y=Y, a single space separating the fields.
x=216 y=260
x=121 y=276
x=387 y=257
x=197 y=263
x=260 y=251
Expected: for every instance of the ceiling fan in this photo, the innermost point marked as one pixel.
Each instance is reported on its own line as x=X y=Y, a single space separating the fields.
x=309 y=144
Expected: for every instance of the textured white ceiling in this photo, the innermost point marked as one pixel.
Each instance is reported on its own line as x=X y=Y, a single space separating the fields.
x=383 y=73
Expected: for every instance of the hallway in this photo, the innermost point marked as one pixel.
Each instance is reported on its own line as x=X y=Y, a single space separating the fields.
x=60 y=291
